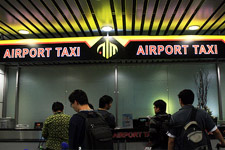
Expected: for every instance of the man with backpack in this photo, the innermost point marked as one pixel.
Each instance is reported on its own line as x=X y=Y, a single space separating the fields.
x=105 y=103
x=158 y=126
x=190 y=126
x=87 y=129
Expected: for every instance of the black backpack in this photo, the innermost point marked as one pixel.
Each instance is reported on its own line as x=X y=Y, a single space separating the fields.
x=164 y=128
x=98 y=134
x=192 y=136
x=160 y=126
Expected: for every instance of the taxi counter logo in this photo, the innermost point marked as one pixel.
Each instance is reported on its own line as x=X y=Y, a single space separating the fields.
x=107 y=49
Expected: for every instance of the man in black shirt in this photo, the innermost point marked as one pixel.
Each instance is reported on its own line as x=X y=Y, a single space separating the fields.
x=79 y=102
x=105 y=103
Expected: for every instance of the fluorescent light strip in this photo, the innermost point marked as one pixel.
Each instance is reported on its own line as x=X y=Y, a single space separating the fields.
x=24 y=32
x=194 y=27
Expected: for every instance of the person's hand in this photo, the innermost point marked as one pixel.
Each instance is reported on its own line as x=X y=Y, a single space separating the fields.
x=210 y=133
x=220 y=145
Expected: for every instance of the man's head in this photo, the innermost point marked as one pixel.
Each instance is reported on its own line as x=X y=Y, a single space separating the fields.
x=159 y=106
x=57 y=107
x=186 y=97
x=105 y=102
x=78 y=98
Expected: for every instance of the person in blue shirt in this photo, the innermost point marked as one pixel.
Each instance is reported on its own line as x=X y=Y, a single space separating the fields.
x=186 y=99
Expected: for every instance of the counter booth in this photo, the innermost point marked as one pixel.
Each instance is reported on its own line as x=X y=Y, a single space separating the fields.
x=134 y=70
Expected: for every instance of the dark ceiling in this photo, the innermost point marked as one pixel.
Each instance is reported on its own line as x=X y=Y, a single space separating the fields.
x=79 y=18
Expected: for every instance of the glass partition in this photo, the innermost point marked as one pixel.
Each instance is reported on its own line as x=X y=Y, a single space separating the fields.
x=222 y=79
x=139 y=85
x=182 y=76
x=40 y=86
x=95 y=80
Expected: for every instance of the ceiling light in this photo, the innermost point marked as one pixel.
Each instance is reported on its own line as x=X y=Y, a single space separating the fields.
x=24 y=32
x=194 y=27
x=107 y=28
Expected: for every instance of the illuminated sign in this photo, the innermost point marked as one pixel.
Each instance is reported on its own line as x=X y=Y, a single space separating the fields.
x=107 y=49
x=41 y=52
x=176 y=49
x=131 y=135
x=112 y=48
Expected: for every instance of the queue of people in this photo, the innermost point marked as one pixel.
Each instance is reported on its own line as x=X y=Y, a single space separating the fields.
x=188 y=128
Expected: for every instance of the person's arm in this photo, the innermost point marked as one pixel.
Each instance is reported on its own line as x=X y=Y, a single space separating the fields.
x=45 y=130
x=112 y=122
x=173 y=129
x=152 y=130
x=171 y=143
x=110 y=119
x=72 y=134
x=211 y=127
x=76 y=132
x=219 y=136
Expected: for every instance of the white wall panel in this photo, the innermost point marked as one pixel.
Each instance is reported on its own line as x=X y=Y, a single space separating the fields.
x=1 y=69
x=1 y=87
x=1 y=104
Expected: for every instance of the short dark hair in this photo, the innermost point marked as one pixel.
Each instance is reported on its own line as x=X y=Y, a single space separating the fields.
x=80 y=96
x=186 y=96
x=161 y=105
x=105 y=100
x=56 y=106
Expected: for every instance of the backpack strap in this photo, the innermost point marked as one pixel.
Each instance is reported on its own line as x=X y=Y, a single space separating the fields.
x=193 y=114
x=161 y=126
x=86 y=139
